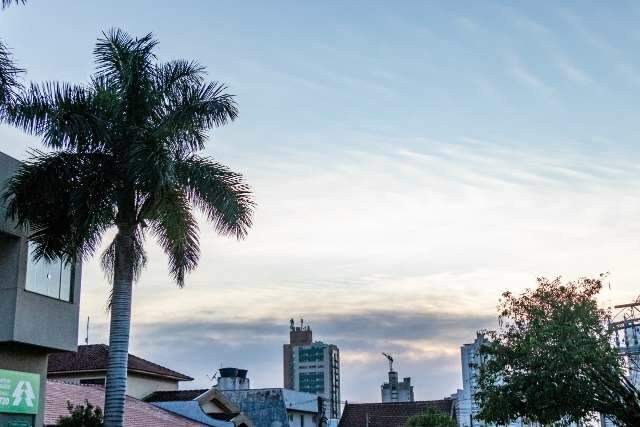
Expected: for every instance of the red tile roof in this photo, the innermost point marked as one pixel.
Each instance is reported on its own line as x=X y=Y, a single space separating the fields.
x=136 y=412
x=389 y=414
x=94 y=358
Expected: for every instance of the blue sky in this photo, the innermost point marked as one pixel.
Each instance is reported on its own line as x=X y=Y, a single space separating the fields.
x=410 y=162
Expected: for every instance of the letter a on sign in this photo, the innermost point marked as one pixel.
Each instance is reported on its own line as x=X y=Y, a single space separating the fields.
x=23 y=391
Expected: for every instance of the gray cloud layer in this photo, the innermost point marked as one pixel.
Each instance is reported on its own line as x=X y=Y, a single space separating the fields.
x=426 y=347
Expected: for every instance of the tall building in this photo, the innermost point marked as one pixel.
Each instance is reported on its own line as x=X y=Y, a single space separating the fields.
x=467 y=408
x=312 y=367
x=395 y=391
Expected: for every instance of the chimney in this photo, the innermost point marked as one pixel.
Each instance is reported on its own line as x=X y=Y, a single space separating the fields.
x=233 y=379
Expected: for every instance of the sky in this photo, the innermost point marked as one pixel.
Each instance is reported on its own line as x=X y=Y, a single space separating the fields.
x=410 y=162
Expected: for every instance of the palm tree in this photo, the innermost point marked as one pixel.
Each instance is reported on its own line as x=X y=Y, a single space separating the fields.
x=124 y=156
x=8 y=71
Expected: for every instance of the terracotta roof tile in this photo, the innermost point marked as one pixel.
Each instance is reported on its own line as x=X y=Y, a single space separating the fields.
x=137 y=412
x=388 y=414
x=94 y=358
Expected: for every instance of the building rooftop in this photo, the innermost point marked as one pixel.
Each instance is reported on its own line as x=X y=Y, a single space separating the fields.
x=137 y=412
x=295 y=400
x=393 y=414
x=191 y=409
x=94 y=357
x=264 y=406
x=175 y=395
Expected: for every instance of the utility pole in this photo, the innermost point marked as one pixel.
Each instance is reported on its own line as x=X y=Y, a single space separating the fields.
x=86 y=338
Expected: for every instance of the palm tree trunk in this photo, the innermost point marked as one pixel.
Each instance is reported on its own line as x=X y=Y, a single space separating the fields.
x=116 y=385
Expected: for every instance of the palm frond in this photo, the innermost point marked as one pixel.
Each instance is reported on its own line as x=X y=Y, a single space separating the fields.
x=108 y=257
x=189 y=111
x=7 y=3
x=127 y=62
x=175 y=73
x=72 y=208
x=177 y=232
x=220 y=193
x=65 y=116
x=9 y=73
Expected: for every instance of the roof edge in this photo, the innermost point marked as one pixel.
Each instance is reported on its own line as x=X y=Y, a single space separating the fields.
x=136 y=371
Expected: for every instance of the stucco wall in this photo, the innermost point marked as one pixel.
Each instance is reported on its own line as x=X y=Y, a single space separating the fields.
x=295 y=419
x=138 y=386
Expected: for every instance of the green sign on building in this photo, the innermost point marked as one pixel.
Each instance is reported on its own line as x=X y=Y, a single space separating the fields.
x=19 y=392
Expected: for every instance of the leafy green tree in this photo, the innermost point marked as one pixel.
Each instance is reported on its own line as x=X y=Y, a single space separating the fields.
x=432 y=418
x=552 y=361
x=124 y=156
x=82 y=416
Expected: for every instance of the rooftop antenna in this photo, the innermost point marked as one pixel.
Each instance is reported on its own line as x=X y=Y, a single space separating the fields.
x=212 y=377
x=86 y=338
x=292 y=324
x=388 y=356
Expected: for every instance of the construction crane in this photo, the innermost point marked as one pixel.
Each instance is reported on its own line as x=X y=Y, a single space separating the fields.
x=390 y=359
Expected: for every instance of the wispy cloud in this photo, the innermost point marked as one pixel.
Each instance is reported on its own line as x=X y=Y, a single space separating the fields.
x=529 y=78
x=574 y=74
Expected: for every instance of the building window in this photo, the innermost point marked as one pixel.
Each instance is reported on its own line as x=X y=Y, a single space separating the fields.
x=313 y=354
x=301 y=420
x=52 y=279
x=311 y=382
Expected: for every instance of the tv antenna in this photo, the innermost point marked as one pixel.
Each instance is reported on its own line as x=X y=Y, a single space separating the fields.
x=212 y=377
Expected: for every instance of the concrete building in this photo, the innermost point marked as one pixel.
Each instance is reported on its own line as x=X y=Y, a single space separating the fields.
x=312 y=367
x=39 y=306
x=88 y=365
x=264 y=407
x=395 y=391
x=466 y=406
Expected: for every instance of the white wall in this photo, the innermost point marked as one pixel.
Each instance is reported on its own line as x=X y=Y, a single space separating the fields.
x=295 y=419
x=138 y=386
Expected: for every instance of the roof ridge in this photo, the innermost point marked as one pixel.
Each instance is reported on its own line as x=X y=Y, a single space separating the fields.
x=94 y=357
